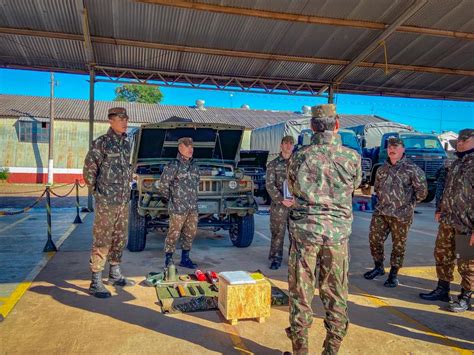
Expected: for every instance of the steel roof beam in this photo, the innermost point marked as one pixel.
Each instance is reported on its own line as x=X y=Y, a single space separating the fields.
x=409 y=12
x=87 y=35
x=312 y=88
x=316 y=20
x=232 y=53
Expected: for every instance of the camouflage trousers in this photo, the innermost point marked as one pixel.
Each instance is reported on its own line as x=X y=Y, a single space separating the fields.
x=181 y=223
x=332 y=263
x=445 y=256
x=278 y=227
x=380 y=228
x=109 y=235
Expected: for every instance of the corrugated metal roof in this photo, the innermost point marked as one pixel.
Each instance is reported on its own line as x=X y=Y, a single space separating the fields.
x=172 y=24
x=78 y=110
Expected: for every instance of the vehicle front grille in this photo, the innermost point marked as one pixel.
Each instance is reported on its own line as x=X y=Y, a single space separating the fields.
x=209 y=186
x=430 y=167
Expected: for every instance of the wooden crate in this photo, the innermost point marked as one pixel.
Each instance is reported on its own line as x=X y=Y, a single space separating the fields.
x=244 y=301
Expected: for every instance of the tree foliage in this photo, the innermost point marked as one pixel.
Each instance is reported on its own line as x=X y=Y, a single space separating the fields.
x=138 y=93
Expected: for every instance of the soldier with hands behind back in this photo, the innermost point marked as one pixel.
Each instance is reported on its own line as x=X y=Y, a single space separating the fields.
x=107 y=172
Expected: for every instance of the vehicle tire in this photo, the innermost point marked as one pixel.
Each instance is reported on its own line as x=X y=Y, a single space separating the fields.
x=431 y=195
x=136 y=228
x=241 y=233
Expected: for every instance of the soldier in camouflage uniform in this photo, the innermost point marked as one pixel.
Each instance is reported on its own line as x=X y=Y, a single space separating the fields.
x=179 y=187
x=276 y=175
x=322 y=178
x=455 y=213
x=107 y=172
x=399 y=185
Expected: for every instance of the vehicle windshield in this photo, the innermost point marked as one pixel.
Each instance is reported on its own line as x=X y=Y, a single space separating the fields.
x=422 y=142
x=350 y=140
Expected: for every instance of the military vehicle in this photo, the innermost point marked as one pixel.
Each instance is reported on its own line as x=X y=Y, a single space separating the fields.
x=225 y=196
x=254 y=164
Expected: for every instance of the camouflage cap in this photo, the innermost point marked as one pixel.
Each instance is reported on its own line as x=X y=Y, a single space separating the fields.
x=187 y=141
x=327 y=110
x=465 y=134
x=117 y=111
x=395 y=141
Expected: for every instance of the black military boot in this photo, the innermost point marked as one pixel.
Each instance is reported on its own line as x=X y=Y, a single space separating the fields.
x=168 y=259
x=97 y=288
x=117 y=279
x=378 y=270
x=440 y=293
x=463 y=303
x=185 y=261
x=392 y=280
x=275 y=265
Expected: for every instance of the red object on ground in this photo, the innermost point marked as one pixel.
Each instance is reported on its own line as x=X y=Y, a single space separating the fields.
x=200 y=275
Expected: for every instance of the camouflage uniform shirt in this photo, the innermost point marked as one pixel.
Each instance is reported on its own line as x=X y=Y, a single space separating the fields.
x=457 y=202
x=107 y=168
x=179 y=183
x=276 y=175
x=399 y=187
x=322 y=178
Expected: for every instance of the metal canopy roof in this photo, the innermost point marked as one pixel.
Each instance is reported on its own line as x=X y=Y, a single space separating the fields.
x=419 y=48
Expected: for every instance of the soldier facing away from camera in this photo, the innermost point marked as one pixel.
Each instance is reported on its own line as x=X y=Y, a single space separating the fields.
x=455 y=214
x=399 y=185
x=178 y=187
x=322 y=178
x=279 y=208
x=107 y=172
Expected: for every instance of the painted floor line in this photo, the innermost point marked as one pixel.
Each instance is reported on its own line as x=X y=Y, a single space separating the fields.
x=419 y=326
x=14 y=224
x=19 y=291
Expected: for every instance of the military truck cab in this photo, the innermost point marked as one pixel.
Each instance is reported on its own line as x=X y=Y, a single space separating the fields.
x=225 y=194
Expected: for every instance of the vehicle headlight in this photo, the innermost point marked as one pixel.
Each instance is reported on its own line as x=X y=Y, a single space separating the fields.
x=238 y=174
x=232 y=184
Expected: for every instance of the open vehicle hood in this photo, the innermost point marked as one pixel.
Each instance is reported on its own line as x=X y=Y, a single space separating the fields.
x=212 y=141
x=253 y=159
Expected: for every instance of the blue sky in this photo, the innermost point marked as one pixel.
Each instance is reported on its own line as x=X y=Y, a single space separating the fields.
x=424 y=115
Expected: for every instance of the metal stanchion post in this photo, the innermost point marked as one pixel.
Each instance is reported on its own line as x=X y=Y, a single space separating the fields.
x=49 y=244
x=78 y=219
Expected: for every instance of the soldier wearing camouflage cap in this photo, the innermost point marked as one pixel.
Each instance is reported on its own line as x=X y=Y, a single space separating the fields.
x=322 y=178
x=281 y=204
x=399 y=185
x=108 y=174
x=179 y=189
x=455 y=214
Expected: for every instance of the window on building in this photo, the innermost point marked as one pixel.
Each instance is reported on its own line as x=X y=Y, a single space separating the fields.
x=33 y=132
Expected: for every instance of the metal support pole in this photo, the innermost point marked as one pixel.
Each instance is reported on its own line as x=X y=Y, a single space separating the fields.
x=331 y=95
x=51 y=134
x=49 y=244
x=90 y=206
x=78 y=219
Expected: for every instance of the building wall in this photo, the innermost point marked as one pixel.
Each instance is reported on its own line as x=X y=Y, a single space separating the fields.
x=28 y=162
x=246 y=140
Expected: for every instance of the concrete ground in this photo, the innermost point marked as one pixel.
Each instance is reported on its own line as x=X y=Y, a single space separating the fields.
x=56 y=315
